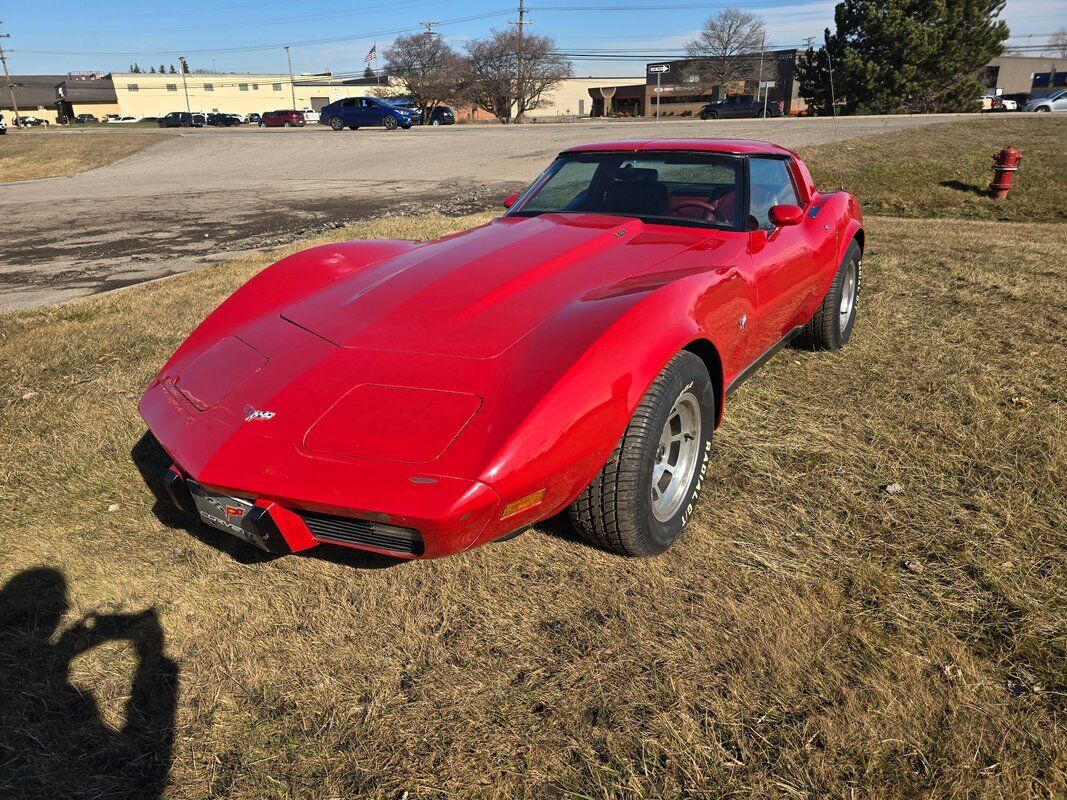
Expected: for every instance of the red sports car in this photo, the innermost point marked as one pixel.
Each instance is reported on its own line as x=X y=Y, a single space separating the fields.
x=575 y=354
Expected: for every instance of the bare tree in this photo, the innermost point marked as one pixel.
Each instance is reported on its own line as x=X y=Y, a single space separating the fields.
x=432 y=71
x=727 y=48
x=494 y=81
x=1057 y=43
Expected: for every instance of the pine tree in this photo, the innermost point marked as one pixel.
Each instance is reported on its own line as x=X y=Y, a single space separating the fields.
x=152 y=71
x=368 y=72
x=917 y=56
x=162 y=69
x=172 y=70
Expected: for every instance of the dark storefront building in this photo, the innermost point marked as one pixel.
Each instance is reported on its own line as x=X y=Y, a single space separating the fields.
x=681 y=93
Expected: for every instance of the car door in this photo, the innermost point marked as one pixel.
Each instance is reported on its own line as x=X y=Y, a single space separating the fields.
x=365 y=112
x=783 y=257
x=1060 y=103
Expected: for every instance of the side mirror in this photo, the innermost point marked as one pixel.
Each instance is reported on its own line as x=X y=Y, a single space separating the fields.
x=785 y=215
x=509 y=201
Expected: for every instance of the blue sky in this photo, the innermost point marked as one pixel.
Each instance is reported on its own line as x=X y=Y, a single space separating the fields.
x=58 y=36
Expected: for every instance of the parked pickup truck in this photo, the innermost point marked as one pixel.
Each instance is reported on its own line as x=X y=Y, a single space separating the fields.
x=741 y=105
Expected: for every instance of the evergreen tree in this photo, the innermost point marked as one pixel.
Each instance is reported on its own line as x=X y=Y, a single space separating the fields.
x=172 y=70
x=162 y=69
x=917 y=56
x=152 y=71
x=368 y=72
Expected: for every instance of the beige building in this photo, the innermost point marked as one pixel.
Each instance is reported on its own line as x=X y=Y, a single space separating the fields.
x=1033 y=74
x=154 y=95
x=572 y=99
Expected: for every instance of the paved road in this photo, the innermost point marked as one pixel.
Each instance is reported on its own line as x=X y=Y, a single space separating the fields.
x=208 y=194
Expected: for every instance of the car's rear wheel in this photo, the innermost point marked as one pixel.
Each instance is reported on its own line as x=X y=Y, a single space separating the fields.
x=390 y=123
x=435 y=122
x=263 y=124
x=831 y=326
x=287 y=124
x=353 y=127
x=644 y=496
x=336 y=124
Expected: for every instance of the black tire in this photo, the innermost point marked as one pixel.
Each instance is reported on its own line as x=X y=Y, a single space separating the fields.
x=616 y=511
x=829 y=328
x=711 y=115
x=287 y=124
x=263 y=124
x=390 y=122
x=353 y=127
x=336 y=124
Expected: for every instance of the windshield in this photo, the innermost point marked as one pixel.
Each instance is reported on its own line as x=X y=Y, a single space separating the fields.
x=675 y=188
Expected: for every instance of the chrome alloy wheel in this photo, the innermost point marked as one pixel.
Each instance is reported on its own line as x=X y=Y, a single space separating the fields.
x=676 y=457
x=848 y=295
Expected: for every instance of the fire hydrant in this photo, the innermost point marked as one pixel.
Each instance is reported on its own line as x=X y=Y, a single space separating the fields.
x=1005 y=165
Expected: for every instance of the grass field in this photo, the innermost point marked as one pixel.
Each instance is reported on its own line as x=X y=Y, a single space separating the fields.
x=945 y=170
x=812 y=635
x=26 y=155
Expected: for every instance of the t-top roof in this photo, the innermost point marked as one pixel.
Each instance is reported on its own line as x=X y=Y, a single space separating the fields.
x=731 y=146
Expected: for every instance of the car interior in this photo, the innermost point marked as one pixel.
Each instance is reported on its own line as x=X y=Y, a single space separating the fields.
x=699 y=189
x=694 y=188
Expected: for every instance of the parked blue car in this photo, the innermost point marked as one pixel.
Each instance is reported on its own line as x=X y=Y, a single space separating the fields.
x=366 y=112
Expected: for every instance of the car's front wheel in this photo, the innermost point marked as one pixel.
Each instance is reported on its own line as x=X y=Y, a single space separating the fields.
x=336 y=123
x=390 y=123
x=831 y=326
x=644 y=496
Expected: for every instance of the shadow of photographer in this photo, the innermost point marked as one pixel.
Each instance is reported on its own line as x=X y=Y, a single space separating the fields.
x=54 y=741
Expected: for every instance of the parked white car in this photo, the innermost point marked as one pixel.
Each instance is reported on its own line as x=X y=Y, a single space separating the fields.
x=309 y=115
x=122 y=120
x=1057 y=101
x=3 y=124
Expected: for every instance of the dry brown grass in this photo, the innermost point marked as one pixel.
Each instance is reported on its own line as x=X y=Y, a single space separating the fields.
x=781 y=649
x=945 y=170
x=31 y=154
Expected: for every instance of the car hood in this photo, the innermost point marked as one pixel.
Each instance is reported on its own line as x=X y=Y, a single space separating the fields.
x=475 y=294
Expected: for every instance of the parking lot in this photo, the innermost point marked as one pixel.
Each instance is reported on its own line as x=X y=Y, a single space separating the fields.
x=207 y=194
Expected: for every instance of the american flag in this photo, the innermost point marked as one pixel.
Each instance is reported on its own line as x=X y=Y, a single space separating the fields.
x=372 y=53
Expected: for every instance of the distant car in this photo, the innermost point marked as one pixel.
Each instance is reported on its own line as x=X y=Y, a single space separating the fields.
x=252 y=118
x=367 y=112
x=86 y=119
x=740 y=106
x=1057 y=101
x=199 y=119
x=1004 y=104
x=31 y=122
x=310 y=115
x=442 y=115
x=223 y=120
x=241 y=118
x=286 y=118
x=122 y=120
x=176 y=119
x=3 y=125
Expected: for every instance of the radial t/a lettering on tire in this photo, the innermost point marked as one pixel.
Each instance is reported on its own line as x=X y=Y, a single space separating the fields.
x=831 y=326
x=646 y=493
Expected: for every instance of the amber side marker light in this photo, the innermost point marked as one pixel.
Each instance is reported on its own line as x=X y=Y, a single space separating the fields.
x=531 y=500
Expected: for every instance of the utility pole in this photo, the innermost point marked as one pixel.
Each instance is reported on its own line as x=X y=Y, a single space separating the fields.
x=10 y=86
x=184 y=67
x=292 y=85
x=520 y=24
x=808 y=41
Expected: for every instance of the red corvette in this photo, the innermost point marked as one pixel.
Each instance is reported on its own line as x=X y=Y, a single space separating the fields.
x=420 y=399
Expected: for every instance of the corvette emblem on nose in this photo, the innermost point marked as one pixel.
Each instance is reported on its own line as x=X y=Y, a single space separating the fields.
x=253 y=414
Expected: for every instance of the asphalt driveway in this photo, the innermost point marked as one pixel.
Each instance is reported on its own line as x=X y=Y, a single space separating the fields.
x=207 y=195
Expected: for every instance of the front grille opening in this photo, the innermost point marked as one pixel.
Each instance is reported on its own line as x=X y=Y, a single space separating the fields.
x=346 y=530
